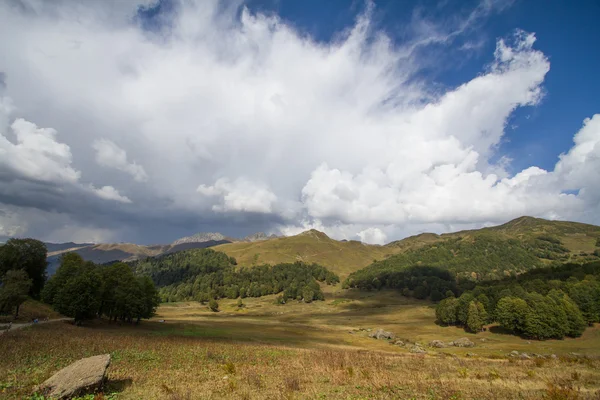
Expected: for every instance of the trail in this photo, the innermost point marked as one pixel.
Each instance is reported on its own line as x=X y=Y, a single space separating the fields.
x=14 y=327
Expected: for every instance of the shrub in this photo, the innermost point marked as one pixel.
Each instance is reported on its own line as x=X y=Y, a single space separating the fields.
x=213 y=305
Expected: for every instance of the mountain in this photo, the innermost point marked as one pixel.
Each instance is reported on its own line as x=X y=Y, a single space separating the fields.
x=341 y=257
x=512 y=248
x=255 y=237
x=203 y=237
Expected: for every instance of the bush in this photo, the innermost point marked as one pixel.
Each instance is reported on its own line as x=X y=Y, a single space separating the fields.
x=213 y=305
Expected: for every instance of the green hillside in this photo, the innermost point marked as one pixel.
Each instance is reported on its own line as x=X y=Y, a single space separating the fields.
x=205 y=274
x=489 y=253
x=341 y=257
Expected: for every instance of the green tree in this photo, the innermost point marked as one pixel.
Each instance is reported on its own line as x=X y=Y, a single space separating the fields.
x=213 y=305
x=476 y=317
x=546 y=318
x=14 y=289
x=462 y=309
x=28 y=255
x=511 y=313
x=79 y=297
x=445 y=311
x=586 y=294
x=576 y=324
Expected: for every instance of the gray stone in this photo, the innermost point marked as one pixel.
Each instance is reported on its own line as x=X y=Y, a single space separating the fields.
x=437 y=344
x=417 y=350
x=553 y=356
x=381 y=334
x=399 y=343
x=83 y=376
x=462 y=342
x=524 y=356
x=471 y=355
x=513 y=353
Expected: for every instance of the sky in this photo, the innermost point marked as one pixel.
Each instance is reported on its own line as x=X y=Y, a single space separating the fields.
x=144 y=121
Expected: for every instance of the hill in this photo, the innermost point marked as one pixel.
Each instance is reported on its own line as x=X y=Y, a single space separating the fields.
x=487 y=254
x=341 y=257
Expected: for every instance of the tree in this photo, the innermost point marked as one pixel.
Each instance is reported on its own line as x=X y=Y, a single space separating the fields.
x=511 y=313
x=462 y=309
x=586 y=294
x=575 y=322
x=546 y=318
x=28 y=255
x=213 y=305
x=79 y=298
x=15 y=286
x=445 y=311
x=476 y=317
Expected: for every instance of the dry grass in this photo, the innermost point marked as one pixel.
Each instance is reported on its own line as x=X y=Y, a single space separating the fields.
x=32 y=309
x=152 y=366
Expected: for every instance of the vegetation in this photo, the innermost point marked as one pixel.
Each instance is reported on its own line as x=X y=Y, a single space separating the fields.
x=82 y=290
x=15 y=286
x=204 y=274
x=340 y=257
x=28 y=255
x=304 y=352
x=541 y=304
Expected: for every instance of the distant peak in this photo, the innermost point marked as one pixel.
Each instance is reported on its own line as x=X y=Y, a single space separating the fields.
x=255 y=237
x=200 y=238
x=314 y=233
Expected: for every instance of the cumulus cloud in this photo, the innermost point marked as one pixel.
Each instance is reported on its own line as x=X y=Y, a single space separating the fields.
x=372 y=236
x=108 y=154
x=240 y=195
x=110 y=193
x=233 y=112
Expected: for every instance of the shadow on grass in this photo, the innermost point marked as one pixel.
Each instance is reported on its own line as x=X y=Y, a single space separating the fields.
x=116 y=385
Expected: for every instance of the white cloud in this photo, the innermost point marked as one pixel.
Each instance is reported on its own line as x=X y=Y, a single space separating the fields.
x=36 y=155
x=110 y=193
x=372 y=236
x=240 y=195
x=343 y=136
x=108 y=154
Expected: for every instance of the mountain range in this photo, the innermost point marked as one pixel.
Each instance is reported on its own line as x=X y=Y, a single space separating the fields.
x=574 y=242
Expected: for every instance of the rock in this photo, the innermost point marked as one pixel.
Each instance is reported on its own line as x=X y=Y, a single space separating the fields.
x=483 y=340
x=437 y=344
x=553 y=356
x=399 y=343
x=78 y=378
x=462 y=342
x=381 y=334
x=524 y=356
x=471 y=355
x=417 y=350
x=513 y=353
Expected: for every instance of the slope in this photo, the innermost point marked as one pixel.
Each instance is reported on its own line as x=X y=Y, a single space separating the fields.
x=341 y=257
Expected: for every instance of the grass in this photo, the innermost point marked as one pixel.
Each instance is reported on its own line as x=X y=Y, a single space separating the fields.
x=31 y=309
x=340 y=257
x=300 y=351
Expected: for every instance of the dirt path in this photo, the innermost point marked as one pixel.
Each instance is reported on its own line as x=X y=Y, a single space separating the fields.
x=25 y=324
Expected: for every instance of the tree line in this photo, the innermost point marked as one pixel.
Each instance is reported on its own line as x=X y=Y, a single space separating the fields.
x=205 y=274
x=79 y=289
x=547 y=303
x=82 y=290
x=22 y=273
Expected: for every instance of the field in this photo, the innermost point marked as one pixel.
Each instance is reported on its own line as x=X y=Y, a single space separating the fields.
x=301 y=351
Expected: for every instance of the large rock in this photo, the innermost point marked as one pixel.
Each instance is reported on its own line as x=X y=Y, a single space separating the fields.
x=381 y=334
x=78 y=378
x=462 y=342
x=438 y=344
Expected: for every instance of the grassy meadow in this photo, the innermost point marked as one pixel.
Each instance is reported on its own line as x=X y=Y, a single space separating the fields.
x=301 y=351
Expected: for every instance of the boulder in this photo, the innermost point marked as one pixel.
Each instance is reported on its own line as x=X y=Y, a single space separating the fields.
x=471 y=355
x=437 y=344
x=399 y=343
x=462 y=342
x=524 y=356
x=82 y=376
x=417 y=350
x=381 y=334
x=513 y=353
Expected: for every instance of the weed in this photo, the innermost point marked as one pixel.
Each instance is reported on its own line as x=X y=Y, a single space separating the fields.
x=229 y=368
x=291 y=383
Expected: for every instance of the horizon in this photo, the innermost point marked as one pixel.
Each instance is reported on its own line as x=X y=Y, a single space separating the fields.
x=369 y=120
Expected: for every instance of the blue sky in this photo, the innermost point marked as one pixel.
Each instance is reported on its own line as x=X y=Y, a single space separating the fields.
x=367 y=120
x=567 y=32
